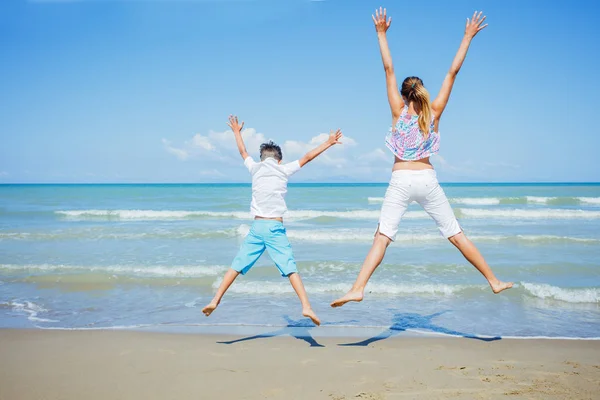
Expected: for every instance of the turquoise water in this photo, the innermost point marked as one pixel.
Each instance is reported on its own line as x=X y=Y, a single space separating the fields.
x=131 y=256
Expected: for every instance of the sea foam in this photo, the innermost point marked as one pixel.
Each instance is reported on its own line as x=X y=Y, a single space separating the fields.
x=129 y=270
x=515 y=213
x=568 y=295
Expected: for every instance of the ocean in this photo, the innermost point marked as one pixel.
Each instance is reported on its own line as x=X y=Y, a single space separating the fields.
x=150 y=256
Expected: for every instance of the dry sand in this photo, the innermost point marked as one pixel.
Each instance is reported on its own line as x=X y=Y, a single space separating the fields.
x=105 y=365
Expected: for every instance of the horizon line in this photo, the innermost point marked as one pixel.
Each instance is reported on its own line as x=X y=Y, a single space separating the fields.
x=295 y=183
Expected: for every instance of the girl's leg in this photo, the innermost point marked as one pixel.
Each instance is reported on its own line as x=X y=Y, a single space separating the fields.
x=298 y=286
x=397 y=199
x=228 y=279
x=435 y=202
x=470 y=252
x=372 y=261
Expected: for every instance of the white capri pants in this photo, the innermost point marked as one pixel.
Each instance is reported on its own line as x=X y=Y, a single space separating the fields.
x=421 y=186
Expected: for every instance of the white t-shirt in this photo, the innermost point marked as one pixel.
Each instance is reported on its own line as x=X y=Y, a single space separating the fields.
x=269 y=186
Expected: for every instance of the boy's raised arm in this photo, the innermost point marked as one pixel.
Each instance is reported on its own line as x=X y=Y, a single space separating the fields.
x=237 y=131
x=334 y=138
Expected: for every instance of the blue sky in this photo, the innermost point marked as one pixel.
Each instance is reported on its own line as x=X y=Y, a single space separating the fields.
x=140 y=91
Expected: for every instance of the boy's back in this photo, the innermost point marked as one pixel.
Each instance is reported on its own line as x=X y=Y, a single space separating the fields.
x=269 y=186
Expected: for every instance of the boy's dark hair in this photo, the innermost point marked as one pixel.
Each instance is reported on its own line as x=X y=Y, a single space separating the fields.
x=270 y=149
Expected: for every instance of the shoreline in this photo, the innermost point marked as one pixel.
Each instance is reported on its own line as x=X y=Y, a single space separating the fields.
x=332 y=332
x=129 y=364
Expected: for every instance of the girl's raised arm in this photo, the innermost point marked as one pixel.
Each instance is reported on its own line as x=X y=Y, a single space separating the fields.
x=381 y=26
x=474 y=25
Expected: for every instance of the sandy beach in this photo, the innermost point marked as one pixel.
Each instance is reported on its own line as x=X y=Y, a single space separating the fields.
x=138 y=365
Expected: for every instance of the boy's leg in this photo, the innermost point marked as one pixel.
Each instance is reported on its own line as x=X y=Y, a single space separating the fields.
x=298 y=286
x=249 y=253
x=280 y=251
x=228 y=279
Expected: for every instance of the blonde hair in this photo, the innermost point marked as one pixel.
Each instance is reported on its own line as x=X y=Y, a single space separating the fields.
x=414 y=90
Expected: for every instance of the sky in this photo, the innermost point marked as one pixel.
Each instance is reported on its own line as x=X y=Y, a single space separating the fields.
x=111 y=91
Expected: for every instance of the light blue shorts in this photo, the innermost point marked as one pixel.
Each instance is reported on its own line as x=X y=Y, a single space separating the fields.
x=264 y=235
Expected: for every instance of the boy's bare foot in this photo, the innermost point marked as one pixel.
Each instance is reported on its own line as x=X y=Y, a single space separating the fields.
x=210 y=308
x=308 y=312
x=350 y=296
x=500 y=286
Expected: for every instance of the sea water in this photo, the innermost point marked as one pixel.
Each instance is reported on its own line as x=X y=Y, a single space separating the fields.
x=151 y=256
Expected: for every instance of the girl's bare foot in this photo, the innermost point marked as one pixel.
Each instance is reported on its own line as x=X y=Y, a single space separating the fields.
x=308 y=312
x=500 y=286
x=210 y=308
x=352 y=295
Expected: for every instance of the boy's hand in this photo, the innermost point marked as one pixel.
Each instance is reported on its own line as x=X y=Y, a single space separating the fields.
x=474 y=25
x=334 y=137
x=237 y=132
x=234 y=124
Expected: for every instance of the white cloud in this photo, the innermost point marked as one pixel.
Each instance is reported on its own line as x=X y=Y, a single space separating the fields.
x=468 y=169
x=347 y=161
x=293 y=148
x=464 y=168
x=226 y=139
x=216 y=145
x=203 y=142
x=3 y=173
x=322 y=138
x=376 y=156
x=179 y=153
x=347 y=141
x=337 y=156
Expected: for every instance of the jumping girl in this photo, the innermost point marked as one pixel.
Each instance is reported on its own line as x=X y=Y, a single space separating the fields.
x=413 y=138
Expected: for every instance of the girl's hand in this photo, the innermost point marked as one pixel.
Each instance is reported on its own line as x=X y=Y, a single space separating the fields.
x=380 y=19
x=334 y=137
x=474 y=25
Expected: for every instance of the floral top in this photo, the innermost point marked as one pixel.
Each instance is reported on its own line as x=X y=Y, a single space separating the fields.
x=406 y=141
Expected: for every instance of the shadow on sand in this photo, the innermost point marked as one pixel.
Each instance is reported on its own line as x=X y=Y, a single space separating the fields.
x=299 y=329
x=404 y=321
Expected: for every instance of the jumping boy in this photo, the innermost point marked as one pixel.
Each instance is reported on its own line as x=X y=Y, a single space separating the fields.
x=269 y=186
